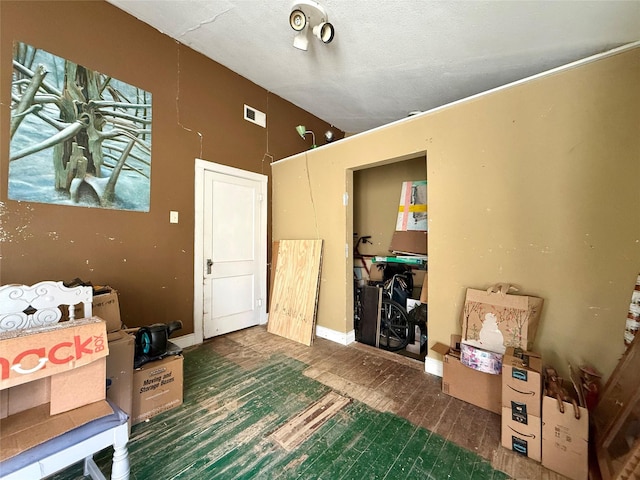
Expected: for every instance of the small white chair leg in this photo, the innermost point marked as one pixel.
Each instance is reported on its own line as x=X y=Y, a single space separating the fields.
x=120 y=467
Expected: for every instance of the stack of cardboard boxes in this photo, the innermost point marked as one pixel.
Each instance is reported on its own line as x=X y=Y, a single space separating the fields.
x=142 y=393
x=52 y=380
x=56 y=377
x=522 y=403
x=511 y=384
x=533 y=423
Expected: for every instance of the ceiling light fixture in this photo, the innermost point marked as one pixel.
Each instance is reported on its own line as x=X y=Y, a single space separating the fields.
x=329 y=136
x=309 y=15
x=302 y=131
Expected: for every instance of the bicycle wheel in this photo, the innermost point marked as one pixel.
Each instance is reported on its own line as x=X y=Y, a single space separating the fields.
x=394 y=326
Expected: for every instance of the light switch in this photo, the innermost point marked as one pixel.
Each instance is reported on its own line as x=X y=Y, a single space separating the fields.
x=173 y=217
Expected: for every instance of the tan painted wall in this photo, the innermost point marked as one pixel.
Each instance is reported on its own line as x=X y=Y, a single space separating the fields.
x=535 y=184
x=197 y=113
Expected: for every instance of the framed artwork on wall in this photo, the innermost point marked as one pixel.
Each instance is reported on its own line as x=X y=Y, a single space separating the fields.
x=78 y=137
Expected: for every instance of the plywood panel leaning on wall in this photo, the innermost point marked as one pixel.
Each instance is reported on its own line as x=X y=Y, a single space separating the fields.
x=295 y=290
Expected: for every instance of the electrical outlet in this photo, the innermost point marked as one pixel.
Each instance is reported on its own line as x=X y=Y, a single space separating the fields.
x=173 y=217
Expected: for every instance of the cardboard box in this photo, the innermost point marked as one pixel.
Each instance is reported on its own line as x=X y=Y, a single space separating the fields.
x=120 y=370
x=63 y=391
x=157 y=387
x=522 y=381
x=565 y=439
x=105 y=306
x=78 y=387
x=522 y=434
x=376 y=271
x=424 y=293
x=27 y=355
x=478 y=388
x=412 y=211
x=23 y=397
x=34 y=426
x=62 y=364
x=410 y=242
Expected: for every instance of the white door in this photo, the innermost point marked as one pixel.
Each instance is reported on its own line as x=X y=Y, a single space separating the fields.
x=233 y=251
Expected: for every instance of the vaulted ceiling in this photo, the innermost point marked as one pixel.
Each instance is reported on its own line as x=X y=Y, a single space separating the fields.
x=392 y=57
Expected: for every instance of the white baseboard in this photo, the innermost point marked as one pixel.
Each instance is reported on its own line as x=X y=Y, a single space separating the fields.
x=184 y=341
x=433 y=366
x=189 y=340
x=334 y=336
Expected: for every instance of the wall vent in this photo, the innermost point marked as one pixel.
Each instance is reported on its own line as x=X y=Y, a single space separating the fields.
x=255 y=116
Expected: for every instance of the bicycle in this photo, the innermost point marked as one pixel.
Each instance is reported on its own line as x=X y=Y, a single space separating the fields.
x=359 y=256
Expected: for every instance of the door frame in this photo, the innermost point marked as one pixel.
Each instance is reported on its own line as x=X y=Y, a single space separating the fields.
x=202 y=166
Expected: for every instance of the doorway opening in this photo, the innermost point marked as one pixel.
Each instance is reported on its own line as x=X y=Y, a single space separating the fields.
x=230 y=249
x=388 y=313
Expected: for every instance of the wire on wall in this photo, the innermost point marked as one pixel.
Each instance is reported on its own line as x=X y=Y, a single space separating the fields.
x=313 y=205
x=267 y=154
x=178 y=105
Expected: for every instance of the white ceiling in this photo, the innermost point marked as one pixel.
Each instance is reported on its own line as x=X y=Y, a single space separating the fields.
x=391 y=57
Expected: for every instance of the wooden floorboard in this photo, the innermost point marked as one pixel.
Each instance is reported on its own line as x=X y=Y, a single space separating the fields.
x=389 y=382
x=298 y=429
x=242 y=387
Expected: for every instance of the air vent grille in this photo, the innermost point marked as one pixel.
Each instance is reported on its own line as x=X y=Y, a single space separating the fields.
x=255 y=116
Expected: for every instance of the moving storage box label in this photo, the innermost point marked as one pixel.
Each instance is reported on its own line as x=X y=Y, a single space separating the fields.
x=27 y=355
x=157 y=386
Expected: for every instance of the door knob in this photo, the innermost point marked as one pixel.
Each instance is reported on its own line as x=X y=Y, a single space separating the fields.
x=209 y=265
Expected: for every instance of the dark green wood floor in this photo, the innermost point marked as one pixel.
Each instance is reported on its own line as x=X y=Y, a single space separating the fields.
x=222 y=432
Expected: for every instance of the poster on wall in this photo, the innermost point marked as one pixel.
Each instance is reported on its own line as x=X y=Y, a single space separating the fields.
x=78 y=137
